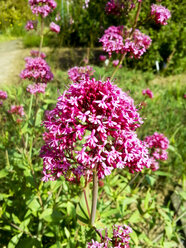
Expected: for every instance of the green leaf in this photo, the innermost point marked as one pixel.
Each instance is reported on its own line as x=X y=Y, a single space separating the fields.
x=135 y=217
x=81 y=209
x=162 y=173
x=38 y=118
x=46 y=214
x=109 y=213
x=33 y=204
x=147 y=200
x=134 y=237
x=29 y=243
x=67 y=233
x=169 y=244
x=71 y=211
x=150 y=180
x=3 y=173
x=168 y=230
x=14 y=240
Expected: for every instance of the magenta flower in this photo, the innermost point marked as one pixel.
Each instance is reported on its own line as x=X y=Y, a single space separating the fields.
x=54 y=27
x=160 y=14
x=35 y=53
x=115 y=63
x=3 y=95
x=17 y=110
x=116 y=39
x=184 y=96
x=78 y=73
x=92 y=126
x=33 y=89
x=31 y=25
x=119 y=239
x=102 y=57
x=158 y=144
x=37 y=70
x=112 y=40
x=157 y=141
x=114 y=7
x=148 y=92
x=42 y=7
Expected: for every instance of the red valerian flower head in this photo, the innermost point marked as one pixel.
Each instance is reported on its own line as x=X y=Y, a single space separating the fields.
x=54 y=27
x=160 y=14
x=158 y=143
x=92 y=126
x=35 y=53
x=119 y=239
x=36 y=88
x=17 y=110
x=78 y=73
x=120 y=40
x=31 y=25
x=3 y=95
x=148 y=92
x=102 y=57
x=42 y=7
x=37 y=70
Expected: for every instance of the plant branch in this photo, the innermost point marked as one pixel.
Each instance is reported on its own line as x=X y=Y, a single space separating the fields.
x=41 y=35
x=131 y=33
x=94 y=196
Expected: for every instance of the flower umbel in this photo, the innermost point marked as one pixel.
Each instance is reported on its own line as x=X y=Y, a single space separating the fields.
x=93 y=124
x=160 y=14
x=37 y=70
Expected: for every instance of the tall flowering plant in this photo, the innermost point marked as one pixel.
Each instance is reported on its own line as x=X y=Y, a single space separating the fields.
x=126 y=40
x=92 y=129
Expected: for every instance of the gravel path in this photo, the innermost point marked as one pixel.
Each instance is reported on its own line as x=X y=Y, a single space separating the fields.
x=10 y=57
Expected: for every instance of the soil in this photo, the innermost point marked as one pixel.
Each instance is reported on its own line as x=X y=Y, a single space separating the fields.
x=10 y=55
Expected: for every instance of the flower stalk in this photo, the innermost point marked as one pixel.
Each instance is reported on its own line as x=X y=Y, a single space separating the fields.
x=41 y=35
x=94 y=197
x=131 y=33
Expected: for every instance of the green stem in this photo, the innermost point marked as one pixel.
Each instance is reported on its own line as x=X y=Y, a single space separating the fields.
x=41 y=35
x=29 y=115
x=94 y=196
x=131 y=33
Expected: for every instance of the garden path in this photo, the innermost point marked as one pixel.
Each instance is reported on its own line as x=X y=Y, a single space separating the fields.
x=10 y=54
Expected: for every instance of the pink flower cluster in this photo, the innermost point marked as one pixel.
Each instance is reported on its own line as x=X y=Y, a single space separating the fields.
x=158 y=145
x=92 y=126
x=114 y=7
x=78 y=73
x=115 y=63
x=120 y=238
x=54 y=27
x=35 y=53
x=148 y=92
x=17 y=110
x=113 y=41
x=137 y=45
x=3 y=96
x=31 y=25
x=160 y=14
x=33 y=89
x=102 y=57
x=42 y=7
x=37 y=70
